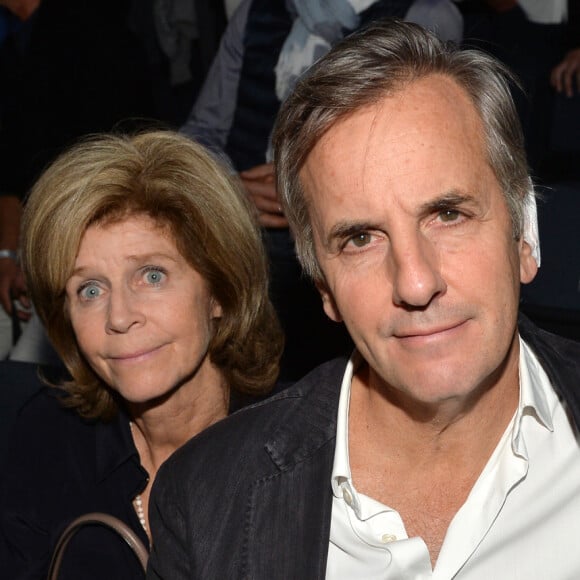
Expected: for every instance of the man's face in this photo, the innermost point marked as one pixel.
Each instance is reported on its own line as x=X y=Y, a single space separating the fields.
x=415 y=241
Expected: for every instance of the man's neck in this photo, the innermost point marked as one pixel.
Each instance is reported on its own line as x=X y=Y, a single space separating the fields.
x=443 y=428
x=423 y=461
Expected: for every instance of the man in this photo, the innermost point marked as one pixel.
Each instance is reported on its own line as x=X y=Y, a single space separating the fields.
x=565 y=76
x=446 y=447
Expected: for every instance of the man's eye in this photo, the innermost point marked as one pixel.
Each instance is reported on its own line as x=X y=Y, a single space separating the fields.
x=89 y=291
x=154 y=276
x=361 y=240
x=449 y=215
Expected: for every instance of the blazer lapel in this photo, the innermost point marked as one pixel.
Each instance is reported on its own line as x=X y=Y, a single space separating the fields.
x=289 y=512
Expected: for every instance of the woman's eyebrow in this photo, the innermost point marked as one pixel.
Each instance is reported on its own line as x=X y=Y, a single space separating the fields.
x=136 y=258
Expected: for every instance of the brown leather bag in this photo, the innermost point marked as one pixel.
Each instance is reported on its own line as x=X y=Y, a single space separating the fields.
x=99 y=519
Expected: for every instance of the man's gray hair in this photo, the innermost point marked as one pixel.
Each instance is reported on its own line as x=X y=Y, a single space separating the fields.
x=368 y=66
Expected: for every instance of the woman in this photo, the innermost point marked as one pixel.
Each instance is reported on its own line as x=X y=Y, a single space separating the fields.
x=147 y=269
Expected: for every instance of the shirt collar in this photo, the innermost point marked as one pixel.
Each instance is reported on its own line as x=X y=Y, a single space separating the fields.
x=341 y=468
x=537 y=399
x=114 y=445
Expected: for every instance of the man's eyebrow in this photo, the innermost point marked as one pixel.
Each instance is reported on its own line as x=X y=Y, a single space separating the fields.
x=346 y=229
x=448 y=200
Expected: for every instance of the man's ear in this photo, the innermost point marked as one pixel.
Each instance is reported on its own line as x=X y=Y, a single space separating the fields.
x=528 y=264
x=328 y=302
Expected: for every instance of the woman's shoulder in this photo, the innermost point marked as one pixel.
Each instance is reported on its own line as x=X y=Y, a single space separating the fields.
x=50 y=476
x=45 y=434
x=25 y=398
x=46 y=413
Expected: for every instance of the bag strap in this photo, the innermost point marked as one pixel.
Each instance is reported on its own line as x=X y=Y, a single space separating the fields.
x=111 y=522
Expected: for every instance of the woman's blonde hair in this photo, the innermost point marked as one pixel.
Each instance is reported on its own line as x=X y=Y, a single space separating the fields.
x=179 y=185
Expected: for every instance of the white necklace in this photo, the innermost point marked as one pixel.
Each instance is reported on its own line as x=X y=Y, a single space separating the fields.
x=137 y=501
x=138 y=504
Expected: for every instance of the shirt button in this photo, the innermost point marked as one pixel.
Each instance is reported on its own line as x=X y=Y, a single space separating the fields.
x=386 y=538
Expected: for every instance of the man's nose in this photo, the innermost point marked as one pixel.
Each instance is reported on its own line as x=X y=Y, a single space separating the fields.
x=415 y=271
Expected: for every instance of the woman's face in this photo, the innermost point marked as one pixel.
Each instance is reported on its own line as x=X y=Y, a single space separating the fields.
x=141 y=314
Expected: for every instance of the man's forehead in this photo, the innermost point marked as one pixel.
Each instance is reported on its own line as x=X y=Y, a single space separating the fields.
x=433 y=100
x=428 y=117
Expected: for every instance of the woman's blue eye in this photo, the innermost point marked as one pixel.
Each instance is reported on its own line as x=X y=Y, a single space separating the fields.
x=89 y=292
x=154 y=276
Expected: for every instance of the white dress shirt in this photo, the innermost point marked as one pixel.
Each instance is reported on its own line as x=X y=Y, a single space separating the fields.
x=521 y=520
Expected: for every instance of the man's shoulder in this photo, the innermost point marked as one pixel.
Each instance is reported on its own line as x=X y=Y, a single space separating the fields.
x=263 y=437
x=560 y=359
x=551 y=349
